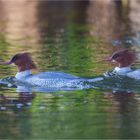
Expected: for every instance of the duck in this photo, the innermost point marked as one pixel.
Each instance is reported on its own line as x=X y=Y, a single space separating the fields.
x=50 y=79
x=124 y=60
x=25 y=65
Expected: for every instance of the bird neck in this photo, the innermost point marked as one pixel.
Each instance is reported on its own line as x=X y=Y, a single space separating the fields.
x=22 y=74
x=124 y=64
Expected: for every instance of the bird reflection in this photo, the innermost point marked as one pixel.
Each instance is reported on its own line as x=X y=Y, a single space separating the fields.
x=123 y=100
x=22 y=100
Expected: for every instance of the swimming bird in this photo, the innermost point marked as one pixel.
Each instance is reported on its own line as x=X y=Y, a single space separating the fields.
x=124 y=59
x=25 y=64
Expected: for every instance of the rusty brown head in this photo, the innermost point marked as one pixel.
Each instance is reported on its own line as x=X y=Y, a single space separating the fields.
x=22 y=60
x=123 y=57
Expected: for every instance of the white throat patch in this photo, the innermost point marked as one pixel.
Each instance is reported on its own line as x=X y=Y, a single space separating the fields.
x=23 y=74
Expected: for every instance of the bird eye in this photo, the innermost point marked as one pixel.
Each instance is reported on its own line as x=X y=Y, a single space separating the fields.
x=116 y=56
x=14 y=58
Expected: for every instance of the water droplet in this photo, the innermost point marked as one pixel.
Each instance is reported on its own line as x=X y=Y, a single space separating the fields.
x=42 y=107
x=29 y=103
x=9 y=85
x=19 y=105
x=3 y=108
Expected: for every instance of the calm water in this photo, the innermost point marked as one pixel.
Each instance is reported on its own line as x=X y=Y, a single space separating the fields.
x=72 y=37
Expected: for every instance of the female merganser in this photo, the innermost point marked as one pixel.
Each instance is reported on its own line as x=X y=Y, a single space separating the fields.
x=124 y=59
x=25 y=64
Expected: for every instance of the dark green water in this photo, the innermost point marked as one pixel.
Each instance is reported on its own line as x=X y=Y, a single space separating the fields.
x=72 y=37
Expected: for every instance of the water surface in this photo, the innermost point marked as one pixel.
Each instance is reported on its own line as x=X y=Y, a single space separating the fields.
x=72 y=37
